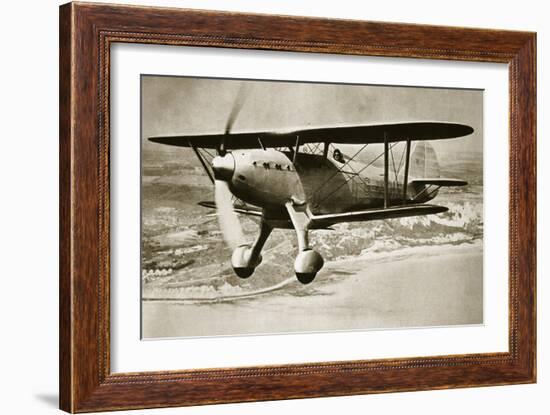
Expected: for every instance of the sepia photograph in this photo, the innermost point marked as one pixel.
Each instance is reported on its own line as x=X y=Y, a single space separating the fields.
x=272 y=207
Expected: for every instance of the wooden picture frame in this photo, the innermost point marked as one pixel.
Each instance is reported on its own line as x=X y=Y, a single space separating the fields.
x=86 y=33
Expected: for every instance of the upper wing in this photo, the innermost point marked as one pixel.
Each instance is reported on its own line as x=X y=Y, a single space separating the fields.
x=375 y=214
x=359 y=134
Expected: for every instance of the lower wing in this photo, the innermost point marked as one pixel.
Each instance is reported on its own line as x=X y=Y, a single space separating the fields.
x=376 y=214
x=324 y=221
x=245 y=209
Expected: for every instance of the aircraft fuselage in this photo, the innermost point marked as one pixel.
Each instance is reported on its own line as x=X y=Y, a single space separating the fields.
x=269 y=179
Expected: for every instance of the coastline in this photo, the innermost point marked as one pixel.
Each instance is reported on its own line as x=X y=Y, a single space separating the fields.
x=409 y=287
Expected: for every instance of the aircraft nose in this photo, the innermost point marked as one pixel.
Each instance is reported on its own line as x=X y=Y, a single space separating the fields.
x=223 y=167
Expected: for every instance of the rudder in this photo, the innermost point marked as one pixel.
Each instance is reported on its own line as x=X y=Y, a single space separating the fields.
x=424 y=161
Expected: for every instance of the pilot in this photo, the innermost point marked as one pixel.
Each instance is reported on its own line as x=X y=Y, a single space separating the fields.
x=338 y=156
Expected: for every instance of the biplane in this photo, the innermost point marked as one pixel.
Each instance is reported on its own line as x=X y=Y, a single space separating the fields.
x=302 y=179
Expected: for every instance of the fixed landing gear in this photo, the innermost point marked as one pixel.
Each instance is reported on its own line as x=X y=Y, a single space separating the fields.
x=307 y=265
x=246 y=258
x=243 y=262
x=308 y=262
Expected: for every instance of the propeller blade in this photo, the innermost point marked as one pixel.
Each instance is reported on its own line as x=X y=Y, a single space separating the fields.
x=237 y=106
x=228 y=219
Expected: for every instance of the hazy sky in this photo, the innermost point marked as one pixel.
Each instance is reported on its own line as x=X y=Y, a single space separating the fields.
x=180 y=105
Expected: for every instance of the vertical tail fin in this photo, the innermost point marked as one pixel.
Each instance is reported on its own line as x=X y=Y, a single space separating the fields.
x=424 y=162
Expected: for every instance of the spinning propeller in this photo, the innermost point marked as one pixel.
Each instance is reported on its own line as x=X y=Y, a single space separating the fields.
x=223 y=166
x=237 y=106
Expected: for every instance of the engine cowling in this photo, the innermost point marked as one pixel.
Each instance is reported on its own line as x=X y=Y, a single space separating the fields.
x=265 y=178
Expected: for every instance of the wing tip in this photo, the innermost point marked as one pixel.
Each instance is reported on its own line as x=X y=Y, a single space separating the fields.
x=178 y=141
x=468 y=129
x=159 y=140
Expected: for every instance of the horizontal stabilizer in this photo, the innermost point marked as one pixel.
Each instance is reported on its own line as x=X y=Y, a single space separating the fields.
x=376 y=214
x=439 y=182
x=245 y=210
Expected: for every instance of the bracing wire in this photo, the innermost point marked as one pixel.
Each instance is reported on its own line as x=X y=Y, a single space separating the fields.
x=348 y=180
x=338 y=171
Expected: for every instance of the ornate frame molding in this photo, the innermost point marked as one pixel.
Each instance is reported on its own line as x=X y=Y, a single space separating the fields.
x=86 y=33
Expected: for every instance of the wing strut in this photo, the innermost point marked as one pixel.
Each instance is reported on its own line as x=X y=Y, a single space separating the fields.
x=386 y=165
x=202 y=162
x=406 y=175
x=325 y=150
x=296 y=150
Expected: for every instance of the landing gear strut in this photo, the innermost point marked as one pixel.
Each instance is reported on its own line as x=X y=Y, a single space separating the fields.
x=247 y=257
x=308 y=262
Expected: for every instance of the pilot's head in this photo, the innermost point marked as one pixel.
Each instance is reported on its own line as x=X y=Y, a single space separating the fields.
x=337 y=155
